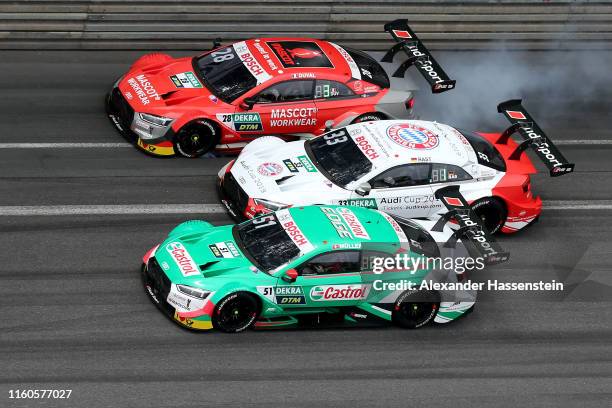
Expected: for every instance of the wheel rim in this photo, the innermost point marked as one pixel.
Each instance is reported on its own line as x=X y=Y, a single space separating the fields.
x=489 y=218
x=416 y=312
x=192 y=143
x=236 y=314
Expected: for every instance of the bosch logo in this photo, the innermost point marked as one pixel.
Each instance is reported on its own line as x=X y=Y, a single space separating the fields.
x=366 y=147
x=250 y=62
x=295 y=233
x=270 y=169
x=412 y=136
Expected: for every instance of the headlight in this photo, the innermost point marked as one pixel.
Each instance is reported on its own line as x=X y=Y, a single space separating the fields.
x=271 y=205
x=155 y=120
x=193 y=292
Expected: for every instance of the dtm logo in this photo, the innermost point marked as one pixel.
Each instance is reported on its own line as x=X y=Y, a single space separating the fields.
x=412 y=136
x=270 y=169
x=339 y=292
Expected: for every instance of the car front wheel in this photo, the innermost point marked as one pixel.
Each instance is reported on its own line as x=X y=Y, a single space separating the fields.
x=196 y=138
x=235 y=313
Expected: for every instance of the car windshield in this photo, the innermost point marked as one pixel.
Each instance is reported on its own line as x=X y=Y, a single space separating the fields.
x=371 y=70
x=486 y=153
x=337 y=157
x=224 y=74
x=265 y=242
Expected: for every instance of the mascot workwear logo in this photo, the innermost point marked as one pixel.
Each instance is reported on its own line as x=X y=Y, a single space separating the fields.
x=183 y=260
x=144 y=89
x=339 y=292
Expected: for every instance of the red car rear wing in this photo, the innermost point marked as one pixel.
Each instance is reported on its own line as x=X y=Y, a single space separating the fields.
x=476 y=238
x=418 y=55
x=533 y=136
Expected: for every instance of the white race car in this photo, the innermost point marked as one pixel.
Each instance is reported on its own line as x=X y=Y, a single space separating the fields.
x=397 y=166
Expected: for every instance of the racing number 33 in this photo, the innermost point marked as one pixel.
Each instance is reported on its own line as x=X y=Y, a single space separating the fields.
x=335 y=138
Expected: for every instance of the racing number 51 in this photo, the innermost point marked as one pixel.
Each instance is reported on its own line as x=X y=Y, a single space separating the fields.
x=265 y=221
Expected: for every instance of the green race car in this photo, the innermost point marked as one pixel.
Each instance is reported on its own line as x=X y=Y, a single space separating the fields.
x=302 y=266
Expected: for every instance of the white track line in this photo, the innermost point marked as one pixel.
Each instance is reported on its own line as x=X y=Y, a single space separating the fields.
x=136 y=209
x=157 y=209
x=578 y=205
x=578 y=142
x=572 y=142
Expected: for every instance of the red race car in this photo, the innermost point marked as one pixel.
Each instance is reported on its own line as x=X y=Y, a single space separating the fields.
x=289 y=87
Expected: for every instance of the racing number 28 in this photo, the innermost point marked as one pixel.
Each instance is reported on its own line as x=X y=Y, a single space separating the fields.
x=222 y=55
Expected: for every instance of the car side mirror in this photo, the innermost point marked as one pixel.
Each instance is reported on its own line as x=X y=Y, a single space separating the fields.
x=247 y=103
x=363 y=189
x=290 y=275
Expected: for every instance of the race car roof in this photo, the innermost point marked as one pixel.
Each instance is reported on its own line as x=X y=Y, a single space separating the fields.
x=388 y=143
x=297 y=57
x=337 y=227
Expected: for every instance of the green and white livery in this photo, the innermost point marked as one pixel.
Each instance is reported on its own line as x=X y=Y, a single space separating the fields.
x=302 y=266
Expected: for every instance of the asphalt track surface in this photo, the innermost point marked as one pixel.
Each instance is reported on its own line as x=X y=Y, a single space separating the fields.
x=74 y=314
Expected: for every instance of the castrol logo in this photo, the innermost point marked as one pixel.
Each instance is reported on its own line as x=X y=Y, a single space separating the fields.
x=339 y=292
x=183 y=260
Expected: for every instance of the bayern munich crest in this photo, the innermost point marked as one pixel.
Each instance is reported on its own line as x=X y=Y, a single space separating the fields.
x=270 y=169
x=412 y=136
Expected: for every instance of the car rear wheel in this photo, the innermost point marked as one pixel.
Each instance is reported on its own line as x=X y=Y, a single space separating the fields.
x=368 y=117
x=415 y=308
x=492 y=212
x=235 y=313
x=196 y=138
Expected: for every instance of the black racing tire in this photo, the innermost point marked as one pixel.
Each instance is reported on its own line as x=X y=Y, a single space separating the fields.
x=415 y=308
x=196 y=138
x=492 y=212
x=236 y=312
x=368 y=117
